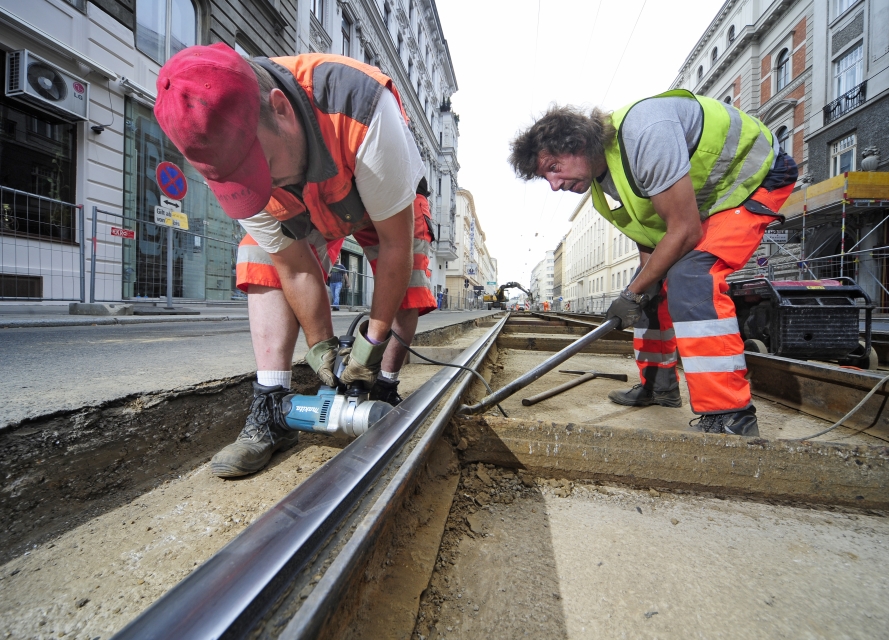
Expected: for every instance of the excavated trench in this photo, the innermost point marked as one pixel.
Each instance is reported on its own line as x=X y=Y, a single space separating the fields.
x=556 y=522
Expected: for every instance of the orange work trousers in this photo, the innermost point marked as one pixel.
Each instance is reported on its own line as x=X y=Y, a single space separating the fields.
x=694 y=315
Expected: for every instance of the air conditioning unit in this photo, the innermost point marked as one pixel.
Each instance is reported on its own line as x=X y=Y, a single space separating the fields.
x=40 y=84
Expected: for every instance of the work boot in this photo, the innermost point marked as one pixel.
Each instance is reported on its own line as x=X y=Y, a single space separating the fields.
x=639 y=396
x=385 y=390
x=738 y=423
x=264 y=433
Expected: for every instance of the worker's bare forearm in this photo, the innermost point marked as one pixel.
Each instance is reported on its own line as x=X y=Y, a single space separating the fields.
x=393 y=272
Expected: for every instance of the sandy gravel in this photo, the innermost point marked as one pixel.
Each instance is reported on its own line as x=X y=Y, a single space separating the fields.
x=565 y=561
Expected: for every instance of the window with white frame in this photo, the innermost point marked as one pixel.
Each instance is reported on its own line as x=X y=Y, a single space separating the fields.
x=714 y=55
x=842 y=5
x=782 y=70
x=842 y=155
x=727 y=99
x=347 y=35
x=700 y=72
x=849 y=70
x=731 y=34
x=782 y=134
x=318 y=10
x=165 y=27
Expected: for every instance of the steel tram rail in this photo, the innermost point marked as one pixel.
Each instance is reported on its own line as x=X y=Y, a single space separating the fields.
x=234 y=592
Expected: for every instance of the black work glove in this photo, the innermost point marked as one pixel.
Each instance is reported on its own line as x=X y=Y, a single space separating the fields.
x=627 y=308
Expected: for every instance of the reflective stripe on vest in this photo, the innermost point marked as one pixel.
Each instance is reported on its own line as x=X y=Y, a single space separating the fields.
x=732 y=158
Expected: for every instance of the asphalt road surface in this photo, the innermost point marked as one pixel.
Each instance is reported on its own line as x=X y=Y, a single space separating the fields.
x=45 y=370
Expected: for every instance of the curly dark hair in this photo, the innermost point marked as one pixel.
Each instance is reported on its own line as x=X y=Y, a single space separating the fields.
x=561 y=130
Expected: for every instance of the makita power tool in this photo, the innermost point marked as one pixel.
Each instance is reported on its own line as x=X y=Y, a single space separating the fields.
x=335 y=410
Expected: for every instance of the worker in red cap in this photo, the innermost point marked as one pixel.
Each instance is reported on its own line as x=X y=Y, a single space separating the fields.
x=304 y=151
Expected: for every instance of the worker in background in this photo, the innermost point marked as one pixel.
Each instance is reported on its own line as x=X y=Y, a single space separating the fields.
x=302 y=150
x=338 y=279
x=697 y=182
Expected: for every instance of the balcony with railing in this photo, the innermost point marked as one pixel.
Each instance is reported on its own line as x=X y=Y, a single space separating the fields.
x=850 y=100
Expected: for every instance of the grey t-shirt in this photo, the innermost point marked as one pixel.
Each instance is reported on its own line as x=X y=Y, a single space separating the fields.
x=658 y=135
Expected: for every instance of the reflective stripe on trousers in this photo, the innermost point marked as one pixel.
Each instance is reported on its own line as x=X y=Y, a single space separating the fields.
x=699 y=320
x=254 y=265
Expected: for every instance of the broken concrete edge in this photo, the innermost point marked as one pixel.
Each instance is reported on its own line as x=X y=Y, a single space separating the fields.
x=146 y=399
x=106 y=320
x=794 y=471
x=100 y=309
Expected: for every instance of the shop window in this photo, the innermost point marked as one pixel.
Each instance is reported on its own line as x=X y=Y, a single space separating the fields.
x=37 y=157
x=203 y=259
x=165 y=27
x=782 y=70
x=842 y=155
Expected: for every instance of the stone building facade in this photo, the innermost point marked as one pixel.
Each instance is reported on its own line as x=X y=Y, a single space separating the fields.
x=55 y=162
x=471 y=274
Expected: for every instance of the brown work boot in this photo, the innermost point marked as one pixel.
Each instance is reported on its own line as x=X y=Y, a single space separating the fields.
x=264 y=433
x=639 y=396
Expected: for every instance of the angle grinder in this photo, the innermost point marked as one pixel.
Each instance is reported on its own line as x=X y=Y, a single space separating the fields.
x=333 y=410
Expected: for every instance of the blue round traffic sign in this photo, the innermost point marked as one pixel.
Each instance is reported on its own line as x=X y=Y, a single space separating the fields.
x=171 y=180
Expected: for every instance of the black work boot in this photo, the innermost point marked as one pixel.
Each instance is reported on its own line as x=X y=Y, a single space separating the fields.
x=264 y=433
x=738 y=423
x=385 y=390
x=639 y=396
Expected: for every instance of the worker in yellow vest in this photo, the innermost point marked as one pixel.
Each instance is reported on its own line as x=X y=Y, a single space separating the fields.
x=697 y=182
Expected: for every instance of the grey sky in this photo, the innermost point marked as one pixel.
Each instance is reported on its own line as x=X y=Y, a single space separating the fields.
x=511 y=65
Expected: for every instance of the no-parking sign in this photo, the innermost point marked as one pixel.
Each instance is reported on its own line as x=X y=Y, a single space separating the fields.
x=171 y=180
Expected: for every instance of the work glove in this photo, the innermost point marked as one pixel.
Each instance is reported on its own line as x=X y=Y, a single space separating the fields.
x=627 y=308
x=321 y=358
x=362 y=363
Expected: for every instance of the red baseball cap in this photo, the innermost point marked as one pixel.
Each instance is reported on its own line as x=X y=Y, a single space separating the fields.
x=208 y=105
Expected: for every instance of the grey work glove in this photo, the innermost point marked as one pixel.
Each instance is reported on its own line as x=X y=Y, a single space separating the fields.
x=627 y=308
x=321 y=358
x=362 y=364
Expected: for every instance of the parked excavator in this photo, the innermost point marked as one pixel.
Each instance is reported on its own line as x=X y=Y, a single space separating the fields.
x=498 y=300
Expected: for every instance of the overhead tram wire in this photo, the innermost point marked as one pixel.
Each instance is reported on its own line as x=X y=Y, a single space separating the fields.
x=626 y=46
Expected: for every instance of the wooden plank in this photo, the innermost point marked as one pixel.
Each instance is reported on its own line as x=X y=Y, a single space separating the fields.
x=824 y=473
x=824 y=391
x=548 y=343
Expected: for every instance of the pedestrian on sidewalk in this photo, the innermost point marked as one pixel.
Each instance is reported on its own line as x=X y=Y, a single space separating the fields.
x=303 y=151
x=697 y=181
x=338 y=278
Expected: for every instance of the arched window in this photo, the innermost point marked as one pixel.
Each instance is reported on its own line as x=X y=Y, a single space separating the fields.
x=731 y=34
x=727 y=99
x=700 y=72
x=165 y=27
x=782 y=70
x=714 y=54
x=782 y=134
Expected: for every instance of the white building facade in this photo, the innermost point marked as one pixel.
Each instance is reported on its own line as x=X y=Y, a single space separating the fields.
x=91 y=141
x=598 y=261
x=542 y=276
x=471 y=274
